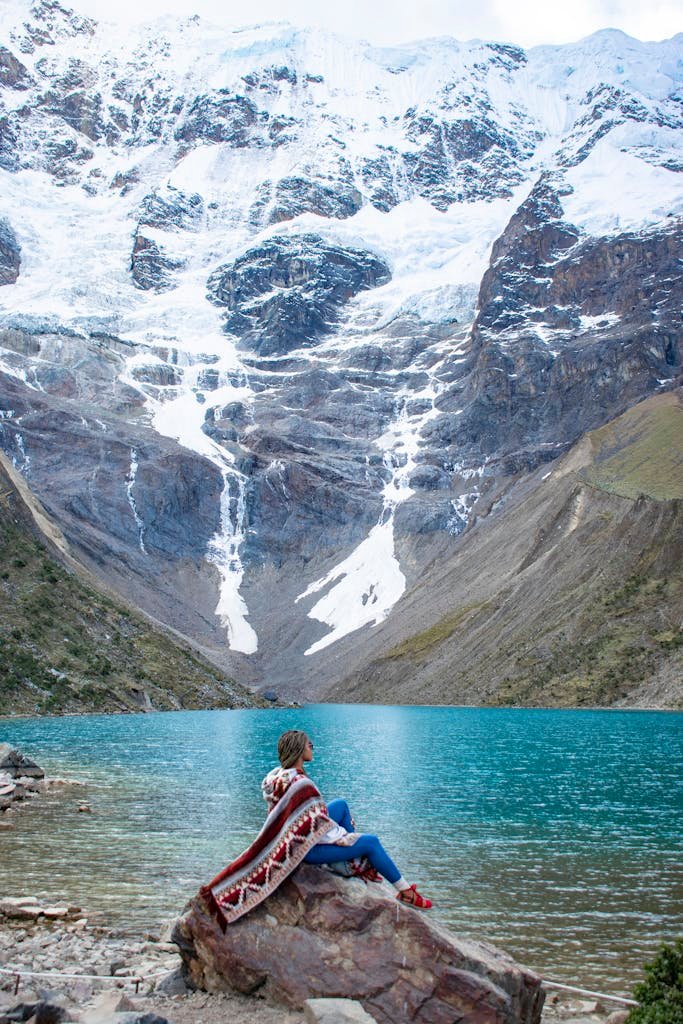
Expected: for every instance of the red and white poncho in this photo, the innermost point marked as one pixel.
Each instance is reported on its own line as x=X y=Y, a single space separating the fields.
x=297 y=820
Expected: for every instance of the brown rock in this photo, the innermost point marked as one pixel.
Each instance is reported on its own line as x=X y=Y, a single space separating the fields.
x=617 y=1017
x=320 y=934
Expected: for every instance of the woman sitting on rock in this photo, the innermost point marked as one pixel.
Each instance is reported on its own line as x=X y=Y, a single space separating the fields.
x=300 y=827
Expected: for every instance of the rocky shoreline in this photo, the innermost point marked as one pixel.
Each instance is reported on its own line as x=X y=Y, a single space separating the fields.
x=124 y=978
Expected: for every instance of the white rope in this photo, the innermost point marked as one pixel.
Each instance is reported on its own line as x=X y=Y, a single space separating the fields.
x=586 y=992
x=21 y=973
x=139 y=978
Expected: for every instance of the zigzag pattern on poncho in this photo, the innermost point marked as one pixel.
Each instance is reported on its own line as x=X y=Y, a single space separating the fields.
x=296 y=822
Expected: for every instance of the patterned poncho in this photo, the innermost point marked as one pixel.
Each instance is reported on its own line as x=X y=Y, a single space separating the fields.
x=297 y=820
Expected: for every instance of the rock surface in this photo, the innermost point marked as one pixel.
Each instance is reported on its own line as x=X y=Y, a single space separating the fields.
x=335 y=1011
x=17 y=764
x=288 y=292
x=320 y=934
x=10 y=253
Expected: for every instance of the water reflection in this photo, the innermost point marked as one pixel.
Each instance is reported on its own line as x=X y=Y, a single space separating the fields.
x=556 y=834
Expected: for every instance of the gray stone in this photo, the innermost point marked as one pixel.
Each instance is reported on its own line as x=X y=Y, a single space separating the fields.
x=336 y=1011
x=105 y=1006
x=173 y=984
x=16 y=764
x=37 y=1013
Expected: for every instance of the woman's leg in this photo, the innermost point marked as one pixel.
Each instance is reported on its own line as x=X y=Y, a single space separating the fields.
x=365 y=846
x=339 y=811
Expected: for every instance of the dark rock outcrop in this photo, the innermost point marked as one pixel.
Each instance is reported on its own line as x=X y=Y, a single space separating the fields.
x=13 y=74
x=10 y=253
x=221 y=116
x=81 y=110
x=288 y=292
x=171 y=208
x=292 y=196
x=150 y=266
x=320 y=934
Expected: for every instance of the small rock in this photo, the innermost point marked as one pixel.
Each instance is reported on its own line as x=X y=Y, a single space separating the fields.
x=9 y=903
x=336 y=1011
x=105 y=1006
x=24 y=912
x=591 y=1007
x=38 y=1013
x=29 y=784
x=173 y=984
x=15 y=764
x=60 y=910
x=617 y=1017
x=125 y=1004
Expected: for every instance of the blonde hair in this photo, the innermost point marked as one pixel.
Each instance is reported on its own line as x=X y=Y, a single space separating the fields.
x=291 y=746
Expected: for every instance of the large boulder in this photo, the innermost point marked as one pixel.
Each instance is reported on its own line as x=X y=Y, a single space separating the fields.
x=320 y=935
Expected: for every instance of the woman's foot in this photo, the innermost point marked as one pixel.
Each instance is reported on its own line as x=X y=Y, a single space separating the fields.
x=412 y=898
x=370 y=875
x=366 y=872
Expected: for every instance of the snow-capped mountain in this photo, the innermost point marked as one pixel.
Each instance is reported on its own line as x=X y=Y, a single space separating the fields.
x=282 y=314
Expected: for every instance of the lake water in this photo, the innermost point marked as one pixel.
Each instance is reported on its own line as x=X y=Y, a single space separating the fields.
x=557 y=835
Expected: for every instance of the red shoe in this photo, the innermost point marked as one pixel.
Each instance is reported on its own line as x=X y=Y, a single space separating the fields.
x=412 y=898
x=370 y=875
x=366 y=872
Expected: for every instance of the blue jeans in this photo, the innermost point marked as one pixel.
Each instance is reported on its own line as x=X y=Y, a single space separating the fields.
x=365 y=846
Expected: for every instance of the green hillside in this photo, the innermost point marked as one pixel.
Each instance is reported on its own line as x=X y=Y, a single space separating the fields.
x=641 y=452
x=67 y=647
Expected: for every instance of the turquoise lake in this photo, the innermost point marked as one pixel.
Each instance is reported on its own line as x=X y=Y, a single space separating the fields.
x=557 y=835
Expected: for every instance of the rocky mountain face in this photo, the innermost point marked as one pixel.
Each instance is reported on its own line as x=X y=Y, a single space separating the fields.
x=68 y=646
x=283 y=318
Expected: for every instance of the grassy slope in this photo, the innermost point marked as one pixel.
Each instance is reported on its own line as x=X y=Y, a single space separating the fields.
x=67 y=647
x=641 y=452
x=588 y=609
